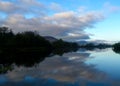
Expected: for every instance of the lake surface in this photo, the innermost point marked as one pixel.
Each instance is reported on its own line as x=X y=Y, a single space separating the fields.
x=81 y=68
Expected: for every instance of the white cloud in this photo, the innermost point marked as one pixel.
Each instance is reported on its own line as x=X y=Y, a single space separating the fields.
x=60 y=24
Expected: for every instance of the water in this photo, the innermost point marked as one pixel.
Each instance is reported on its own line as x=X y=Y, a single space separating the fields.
x=81 y=68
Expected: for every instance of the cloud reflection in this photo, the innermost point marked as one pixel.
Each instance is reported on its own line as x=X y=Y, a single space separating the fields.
x=69 y=70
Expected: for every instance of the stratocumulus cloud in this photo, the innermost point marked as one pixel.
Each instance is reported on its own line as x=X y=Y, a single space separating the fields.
x=69 y=25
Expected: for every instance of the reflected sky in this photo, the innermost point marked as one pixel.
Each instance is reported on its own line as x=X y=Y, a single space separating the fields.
x=81 y=68
x=108 y=62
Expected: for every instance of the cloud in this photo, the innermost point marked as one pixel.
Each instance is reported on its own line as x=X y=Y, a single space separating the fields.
x=56 y=7
x=7 y=7
x=111 y=8
x=24 y=7
x=56 y=67
x=60 y=24
x=82 y=9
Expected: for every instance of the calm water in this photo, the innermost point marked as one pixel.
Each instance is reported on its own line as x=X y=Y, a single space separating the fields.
x=81 y=68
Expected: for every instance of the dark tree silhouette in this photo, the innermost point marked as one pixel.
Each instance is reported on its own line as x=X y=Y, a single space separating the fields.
x=116 y=47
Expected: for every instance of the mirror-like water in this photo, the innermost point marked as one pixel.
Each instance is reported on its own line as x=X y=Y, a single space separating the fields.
x=81 y=68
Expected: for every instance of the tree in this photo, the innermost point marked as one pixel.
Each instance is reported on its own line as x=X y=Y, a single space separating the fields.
x=116 y=47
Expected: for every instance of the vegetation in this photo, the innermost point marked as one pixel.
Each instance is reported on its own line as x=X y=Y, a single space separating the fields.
x=60 y=47
x=116 y=47
x=23 y=42
x=7 y=59
x=27 y=48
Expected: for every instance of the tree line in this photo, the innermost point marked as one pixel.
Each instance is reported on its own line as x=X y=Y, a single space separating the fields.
x=27 y=48
x=116 y=47
x=29 y=40
x=22 y=40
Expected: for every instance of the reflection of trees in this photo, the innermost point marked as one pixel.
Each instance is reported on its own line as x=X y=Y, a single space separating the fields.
x=27 y=58
x=68 y=68
x=8 y=58
x=27 y=48
x=116 y=50
x=60 y=52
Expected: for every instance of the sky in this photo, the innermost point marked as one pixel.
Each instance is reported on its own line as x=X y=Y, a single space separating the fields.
x=71 y=20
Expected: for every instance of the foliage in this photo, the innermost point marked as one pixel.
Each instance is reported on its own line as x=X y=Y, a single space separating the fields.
x=23 y=41
x=116 y=47
x=27 y=48
x=61 y=46
x=27 y=59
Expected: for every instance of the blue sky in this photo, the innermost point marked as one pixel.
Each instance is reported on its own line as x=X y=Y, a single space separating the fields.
x=68 y=19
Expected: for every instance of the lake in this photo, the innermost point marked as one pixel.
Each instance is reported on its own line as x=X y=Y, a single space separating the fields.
x=80 y=68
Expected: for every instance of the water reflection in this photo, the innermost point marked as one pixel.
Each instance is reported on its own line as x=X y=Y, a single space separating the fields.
x=70 y=69
x=108 y=62
x=116 y=50
x=9 y=59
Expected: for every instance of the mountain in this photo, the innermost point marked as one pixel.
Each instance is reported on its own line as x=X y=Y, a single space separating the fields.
x=82 y=42
x=50 y=38
x=95 y=42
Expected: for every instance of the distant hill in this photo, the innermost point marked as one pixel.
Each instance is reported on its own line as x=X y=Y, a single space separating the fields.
x=95 y=42
x=50 y=38
x=82 y=42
